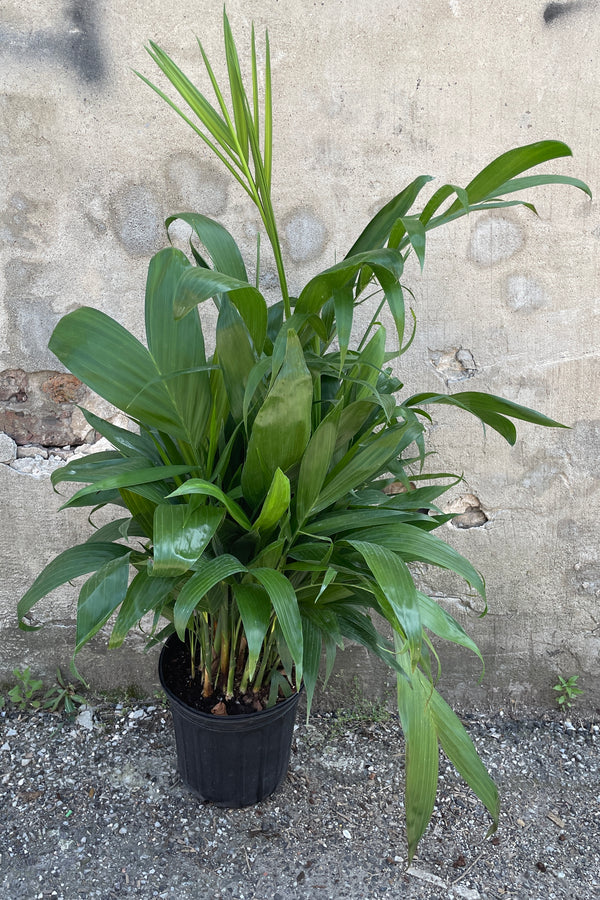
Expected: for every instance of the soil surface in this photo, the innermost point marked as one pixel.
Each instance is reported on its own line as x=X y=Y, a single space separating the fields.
x=177 y=673
x=93 y=807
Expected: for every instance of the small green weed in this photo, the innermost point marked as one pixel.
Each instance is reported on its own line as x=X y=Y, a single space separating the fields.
x=23 y=694
x=63 y=694
x=27 y=693
x=360 y=711
x=567 y=691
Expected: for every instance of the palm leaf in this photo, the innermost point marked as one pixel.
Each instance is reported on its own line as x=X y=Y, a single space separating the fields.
x=75 y=561
x=285 y=604
x=459 y=749
x=255 y=609
x=282 y=425
x=107 y=358
x=144 y=595
x=235 y=354
x=421 y=762
x=177 y=346
x=377 y=231
x=99 y=597
x=395 y=582
x=180 y=536
x=194 y=593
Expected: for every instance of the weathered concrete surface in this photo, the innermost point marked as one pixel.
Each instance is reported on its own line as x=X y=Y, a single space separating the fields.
x=367 y=96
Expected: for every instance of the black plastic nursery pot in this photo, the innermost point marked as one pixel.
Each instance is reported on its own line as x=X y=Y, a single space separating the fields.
x=230 y=761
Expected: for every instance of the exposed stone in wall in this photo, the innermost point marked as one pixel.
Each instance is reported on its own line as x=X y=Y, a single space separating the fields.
x=8 y=449
x=39 y=462
x=40 y=408
x=469 y=512
x=38 y=466
x=41 y=425
x=455 y=364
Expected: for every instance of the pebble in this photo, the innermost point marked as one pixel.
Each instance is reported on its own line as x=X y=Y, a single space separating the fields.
x=423 y=875
x=85 y=718
x=460 y=890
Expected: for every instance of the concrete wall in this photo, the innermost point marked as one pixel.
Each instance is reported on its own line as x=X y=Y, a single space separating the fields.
x=367 y=96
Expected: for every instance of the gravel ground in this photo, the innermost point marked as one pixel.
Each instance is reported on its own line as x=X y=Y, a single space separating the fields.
x=94 y=808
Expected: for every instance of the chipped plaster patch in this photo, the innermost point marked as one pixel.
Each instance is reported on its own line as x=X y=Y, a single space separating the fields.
x=455 y=364
x=305 y=235
x=137 y=219
x=494 y=240
x=468 y=512
x=525 y=294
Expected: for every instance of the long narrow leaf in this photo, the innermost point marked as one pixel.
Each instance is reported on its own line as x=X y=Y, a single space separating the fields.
x=255 y=609
x=197 y=284
x=421 y=763
x=107 y=358
x=222 y=249
x=445 y=626
x=507 y=166
x=413 y=544
x=192 y=96
x=459 y=749
x=313 y=643
x=130 y=479
x=364 y=465
x=235 y=354
x=177 y=345
x=490 y=409
x=236 y=86
x=75 y=561
x=377 y=231
x=195 y=590
x=99 y=597
x=281 y=429
x=96 y=467
x=181 y=534
x=395 y=581
x=315 y=464
x=206 y=489
x=129 y=443
x=285 y=603
x=523 y=184
x=276 y=504
x=144 y=594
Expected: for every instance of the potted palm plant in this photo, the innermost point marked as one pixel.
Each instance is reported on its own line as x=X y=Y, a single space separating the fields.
x=257 y=518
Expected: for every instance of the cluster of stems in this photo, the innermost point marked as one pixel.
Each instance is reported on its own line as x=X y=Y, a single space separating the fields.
x=219 y=653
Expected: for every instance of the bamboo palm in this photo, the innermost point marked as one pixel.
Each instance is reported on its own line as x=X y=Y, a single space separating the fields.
x=251 y=491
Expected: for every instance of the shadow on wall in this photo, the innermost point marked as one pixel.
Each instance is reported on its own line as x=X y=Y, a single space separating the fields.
x=72 y=43
x=557 y=11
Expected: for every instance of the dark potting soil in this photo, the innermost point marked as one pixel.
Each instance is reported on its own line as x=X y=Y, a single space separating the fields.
x=177 y=674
